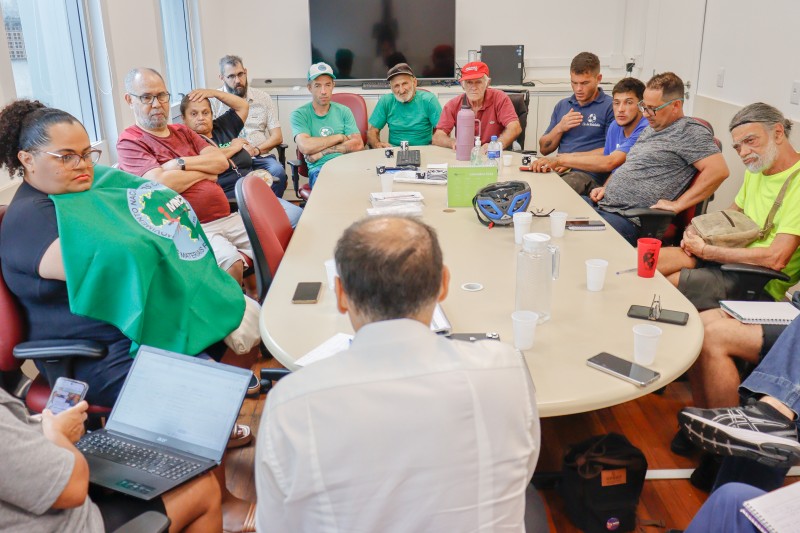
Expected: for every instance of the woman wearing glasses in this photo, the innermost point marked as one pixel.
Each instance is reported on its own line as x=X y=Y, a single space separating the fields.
x=51 y=151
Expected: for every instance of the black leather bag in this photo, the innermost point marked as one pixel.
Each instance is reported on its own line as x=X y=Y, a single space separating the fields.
x=602 y=480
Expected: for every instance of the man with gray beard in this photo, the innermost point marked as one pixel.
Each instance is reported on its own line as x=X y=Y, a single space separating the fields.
x=760 y=136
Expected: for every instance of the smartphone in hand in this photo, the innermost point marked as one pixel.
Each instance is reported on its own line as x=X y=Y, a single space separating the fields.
x=66 y=393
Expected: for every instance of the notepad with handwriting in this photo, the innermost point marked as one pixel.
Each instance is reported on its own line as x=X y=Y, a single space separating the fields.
x=760 y=312
x=776 y=511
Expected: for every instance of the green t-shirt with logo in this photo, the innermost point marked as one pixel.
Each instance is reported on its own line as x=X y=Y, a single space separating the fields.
x=410 y=121
x=339 y=119
x=756 y=198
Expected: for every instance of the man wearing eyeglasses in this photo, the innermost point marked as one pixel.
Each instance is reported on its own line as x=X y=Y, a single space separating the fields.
x=176 y=156
x=662 y=163
x=262 y=129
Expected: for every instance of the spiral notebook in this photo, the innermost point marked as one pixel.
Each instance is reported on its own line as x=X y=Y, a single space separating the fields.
x=776 y=511
x=760 y=312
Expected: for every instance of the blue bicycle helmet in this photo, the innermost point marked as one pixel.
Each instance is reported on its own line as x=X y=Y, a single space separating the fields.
x=499 y=201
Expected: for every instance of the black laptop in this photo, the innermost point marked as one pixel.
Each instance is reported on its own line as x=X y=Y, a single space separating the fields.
x=171 y=423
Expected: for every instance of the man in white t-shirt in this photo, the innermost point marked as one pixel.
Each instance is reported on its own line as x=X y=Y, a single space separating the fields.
x=262 y=129
x=405 y=430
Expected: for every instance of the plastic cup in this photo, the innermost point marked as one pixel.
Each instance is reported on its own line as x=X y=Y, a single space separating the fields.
x=387 y=181
x=596 y=274
x=648 y=250
x=558 y=221
x=645 y=343
x=507 y=159
x=524 y=323
x=522 y=225
x=331 y=273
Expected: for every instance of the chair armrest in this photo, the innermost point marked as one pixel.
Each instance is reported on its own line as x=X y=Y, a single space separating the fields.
x=281 y=148
x=754 y=270
x=295 y=165
x=648 y=212
x=149 y=522
x=59 y=349
x=234 y=204
x=652 y=222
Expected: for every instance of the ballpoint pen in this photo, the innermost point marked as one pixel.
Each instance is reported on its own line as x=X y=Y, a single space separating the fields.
x=634 y=269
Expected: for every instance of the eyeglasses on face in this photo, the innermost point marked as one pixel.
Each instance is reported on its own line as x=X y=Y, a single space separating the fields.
x=647 y=110
x=147 y=99
x=71 y=161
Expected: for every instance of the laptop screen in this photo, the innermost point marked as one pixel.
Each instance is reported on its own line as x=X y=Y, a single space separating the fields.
x=179 y=401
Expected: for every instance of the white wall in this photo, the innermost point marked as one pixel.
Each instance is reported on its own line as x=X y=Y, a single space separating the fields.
x=272 y=36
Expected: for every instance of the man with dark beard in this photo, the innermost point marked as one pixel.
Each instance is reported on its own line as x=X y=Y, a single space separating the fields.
x=262 y=129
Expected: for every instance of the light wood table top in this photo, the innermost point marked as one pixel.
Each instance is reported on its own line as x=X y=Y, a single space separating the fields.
x=583 y=323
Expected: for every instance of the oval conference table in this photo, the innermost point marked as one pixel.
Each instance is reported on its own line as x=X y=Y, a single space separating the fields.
x=583 y=323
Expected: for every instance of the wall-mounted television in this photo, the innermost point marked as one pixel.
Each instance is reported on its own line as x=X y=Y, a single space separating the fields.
x=362 y=39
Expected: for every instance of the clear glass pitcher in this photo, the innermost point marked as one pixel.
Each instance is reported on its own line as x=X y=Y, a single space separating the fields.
x=537 y=267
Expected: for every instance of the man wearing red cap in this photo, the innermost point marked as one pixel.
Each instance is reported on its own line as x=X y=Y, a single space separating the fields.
x=492 y=107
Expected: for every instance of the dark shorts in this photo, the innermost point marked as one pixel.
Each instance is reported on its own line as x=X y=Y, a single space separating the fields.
x=581 y=182
x=118 y=509
x=769 y=334
x=706 y=284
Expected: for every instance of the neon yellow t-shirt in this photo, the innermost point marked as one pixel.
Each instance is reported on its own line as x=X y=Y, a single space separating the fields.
x=756 y=198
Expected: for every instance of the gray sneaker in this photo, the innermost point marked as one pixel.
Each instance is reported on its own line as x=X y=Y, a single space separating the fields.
x=756 y=431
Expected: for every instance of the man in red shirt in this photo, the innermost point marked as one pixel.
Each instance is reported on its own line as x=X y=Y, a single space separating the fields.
x=492 y=107
x=177 y=157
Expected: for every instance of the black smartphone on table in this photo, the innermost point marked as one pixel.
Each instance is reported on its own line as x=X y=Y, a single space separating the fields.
x=66 y=393
x=307 y=292
x=668 y=316
x=623 y=369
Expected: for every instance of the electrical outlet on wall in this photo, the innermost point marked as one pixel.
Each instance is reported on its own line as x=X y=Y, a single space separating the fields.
x=720 y=77
x=795 y=96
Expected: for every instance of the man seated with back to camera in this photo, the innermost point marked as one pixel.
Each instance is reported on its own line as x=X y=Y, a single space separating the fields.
x=410 y=114
x=223 y=132
x=580 y=124
x=622 y=134
x=492 y=107
x=662 y=163
x=447 y=432
x=175 y=156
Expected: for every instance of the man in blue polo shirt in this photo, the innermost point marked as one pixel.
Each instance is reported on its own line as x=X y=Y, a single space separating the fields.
x=622 y=134
x=410 y=114
x=580 y=123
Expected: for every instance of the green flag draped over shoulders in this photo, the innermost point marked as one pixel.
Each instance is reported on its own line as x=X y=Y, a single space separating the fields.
x=135 y=256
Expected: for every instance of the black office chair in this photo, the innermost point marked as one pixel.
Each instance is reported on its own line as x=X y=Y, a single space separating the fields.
x=521 y=100
x=752 y=280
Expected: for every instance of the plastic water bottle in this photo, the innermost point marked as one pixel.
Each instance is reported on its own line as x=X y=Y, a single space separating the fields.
x=495 y=152
x=537 y=267
x=476 y=157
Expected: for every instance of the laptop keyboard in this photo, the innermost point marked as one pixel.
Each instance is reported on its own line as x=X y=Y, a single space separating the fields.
x=145 y=459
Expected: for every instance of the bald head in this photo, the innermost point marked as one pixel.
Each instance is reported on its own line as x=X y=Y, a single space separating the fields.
x=135 y=75
x=390 y=267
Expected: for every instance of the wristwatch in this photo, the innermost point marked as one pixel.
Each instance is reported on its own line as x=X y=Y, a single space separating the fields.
x=181 y=163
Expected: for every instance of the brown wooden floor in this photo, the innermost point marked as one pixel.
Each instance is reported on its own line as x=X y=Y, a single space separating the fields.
x=649 y=423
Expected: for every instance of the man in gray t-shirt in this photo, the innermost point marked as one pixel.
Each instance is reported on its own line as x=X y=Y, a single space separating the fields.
x=663 y=161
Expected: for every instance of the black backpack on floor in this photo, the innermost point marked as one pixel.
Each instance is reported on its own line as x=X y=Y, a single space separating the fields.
x=602 y=479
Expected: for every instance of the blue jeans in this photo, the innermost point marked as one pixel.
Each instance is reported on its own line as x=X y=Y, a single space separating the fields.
x=778 y=374
x=274 y=167
x=312 y=176
x=623 y=225
x=292 y=211
x=721 y=511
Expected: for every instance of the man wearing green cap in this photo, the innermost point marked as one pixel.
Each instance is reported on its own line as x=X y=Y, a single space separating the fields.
x=323 y=129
